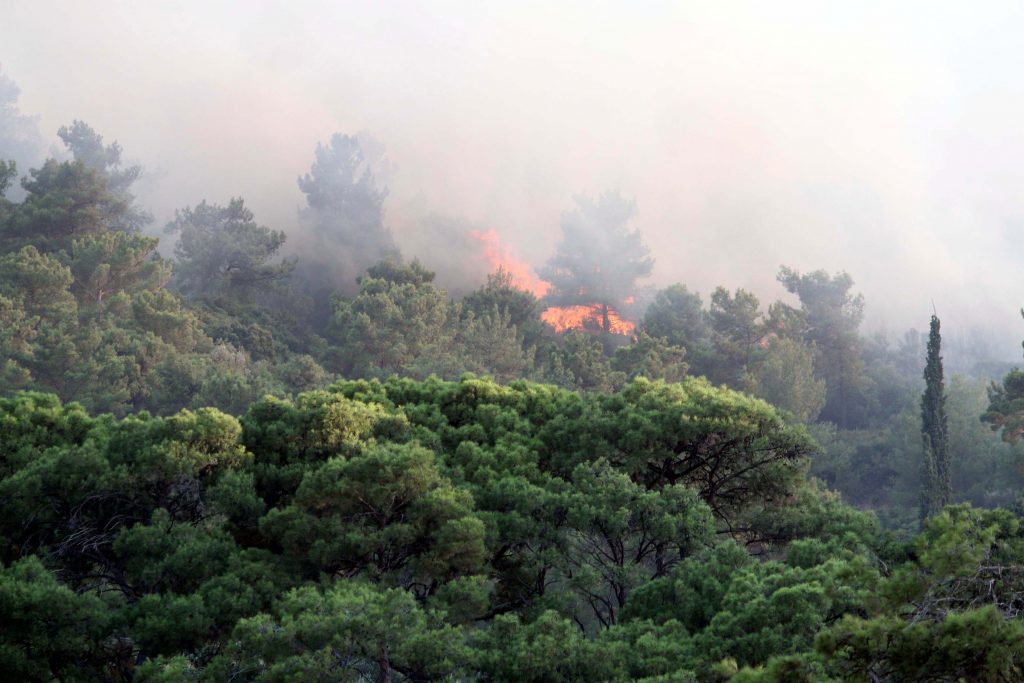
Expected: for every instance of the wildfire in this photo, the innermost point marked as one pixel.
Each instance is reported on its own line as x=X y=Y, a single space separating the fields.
x=564 y=318
x=498 y=256
x=561 y=318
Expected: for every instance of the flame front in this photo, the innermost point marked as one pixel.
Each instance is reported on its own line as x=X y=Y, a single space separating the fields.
x=498 y=256
x=589 y=316
x=561 y=318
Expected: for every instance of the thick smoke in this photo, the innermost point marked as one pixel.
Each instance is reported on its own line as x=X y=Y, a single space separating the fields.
x=341 y=229
x=877 y=138
x=453 y=248
x=20 y=140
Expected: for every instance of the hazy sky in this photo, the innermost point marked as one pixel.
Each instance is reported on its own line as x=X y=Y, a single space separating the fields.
x=886 y=139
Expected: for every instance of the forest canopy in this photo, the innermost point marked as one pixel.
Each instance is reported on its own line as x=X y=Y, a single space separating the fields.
x=422 y=530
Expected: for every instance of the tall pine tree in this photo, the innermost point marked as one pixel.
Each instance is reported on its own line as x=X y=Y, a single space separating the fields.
x=936 y=490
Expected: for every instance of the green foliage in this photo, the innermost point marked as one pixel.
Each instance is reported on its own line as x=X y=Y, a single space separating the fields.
x=786 y=379
x=952 y=612
x=348 y=631
x=115 y=262
x=622 y=535
x=391 y=321
x=64 y=201
x=976 y=645
x=735 y=450
x=408 y=530
x=8 y=173
x=488 y=344
x=50 y=632
x=651 y=358
x=386 y=512
x=880 y=468
x=692 y=594
x=501 y=295
x=936 y=488
x=677 y=315
x=86 y=145
x=551 y=648
x=223 y=253
x=579 y=362
x=85 y=313
x=1005 y=412
x=737 y=330
x=986 y=471
x=33 y=423
x=833 y=316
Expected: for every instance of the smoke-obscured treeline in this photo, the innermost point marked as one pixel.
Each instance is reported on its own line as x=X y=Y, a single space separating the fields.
x=230 y=310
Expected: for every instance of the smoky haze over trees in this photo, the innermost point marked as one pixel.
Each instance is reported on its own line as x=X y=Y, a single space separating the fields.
x=87 y=147
x=222 y=252
x=736 y=169
x=344 y=214
x=19 y=133
x=465 y=412
x=599 y=258
x=240 y=311
x=729 y=189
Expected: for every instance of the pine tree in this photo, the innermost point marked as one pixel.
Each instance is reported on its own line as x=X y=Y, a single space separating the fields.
x=935 y=485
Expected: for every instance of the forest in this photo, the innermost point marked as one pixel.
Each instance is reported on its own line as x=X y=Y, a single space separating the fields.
x=226 y=455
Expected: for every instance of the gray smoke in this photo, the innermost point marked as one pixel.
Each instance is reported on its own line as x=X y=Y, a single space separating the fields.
x=878 y=138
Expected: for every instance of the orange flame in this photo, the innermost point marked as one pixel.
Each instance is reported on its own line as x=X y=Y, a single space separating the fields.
x=564 y=318
x=498 y=256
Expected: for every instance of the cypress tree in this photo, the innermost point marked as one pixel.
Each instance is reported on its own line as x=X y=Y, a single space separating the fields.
x=936 y=489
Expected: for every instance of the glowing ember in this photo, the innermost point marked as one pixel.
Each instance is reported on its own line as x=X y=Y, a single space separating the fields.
x=498 y=256
x=564 y=318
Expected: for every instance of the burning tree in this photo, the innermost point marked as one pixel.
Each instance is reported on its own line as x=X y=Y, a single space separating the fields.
x=594 y=272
